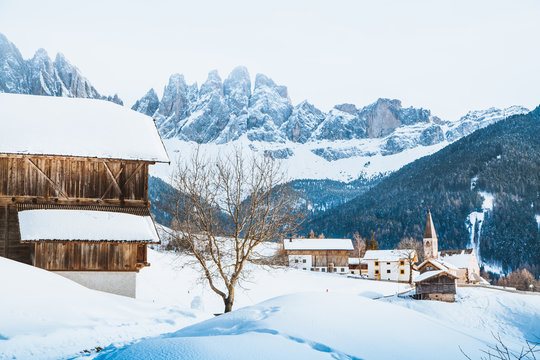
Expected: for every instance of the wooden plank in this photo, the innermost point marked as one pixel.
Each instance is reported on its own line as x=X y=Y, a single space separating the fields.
x=56 y=187
x=114 y=179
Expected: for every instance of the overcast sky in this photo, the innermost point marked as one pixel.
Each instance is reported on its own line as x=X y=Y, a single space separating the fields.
x=448 y=56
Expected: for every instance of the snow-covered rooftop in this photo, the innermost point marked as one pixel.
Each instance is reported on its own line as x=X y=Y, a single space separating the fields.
x=85 y=225
x=48 y=125
x=318 y=244
x=459 y=258
x=428 y=275
x=387 y=255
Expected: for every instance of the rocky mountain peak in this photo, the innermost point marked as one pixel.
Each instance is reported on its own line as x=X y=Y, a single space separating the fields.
x=212 y=84
x=42 y=76
x=148 y=104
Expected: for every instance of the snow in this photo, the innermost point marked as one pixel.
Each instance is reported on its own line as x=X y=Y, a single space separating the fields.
x=281 y=313
x=303 y=163
x=386 y=255
x=428 y=275
x=49 y=125
x=354 y=261
x=318 y=244
x=537 y=217
x=310 y=325
x=85 y=225
x=461 y=260
x=477 y=218
x=46 y=316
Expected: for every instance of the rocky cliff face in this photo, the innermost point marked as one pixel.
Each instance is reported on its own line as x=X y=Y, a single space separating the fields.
x=42 y=76
x=224 y=111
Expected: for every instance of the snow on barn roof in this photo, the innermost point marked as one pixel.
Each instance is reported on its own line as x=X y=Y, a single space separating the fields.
x=459 y=258
x=387 y=255
x=318 y=244
x=85 y=225
x=442 y=265
x=48 y=125
x=432 y=273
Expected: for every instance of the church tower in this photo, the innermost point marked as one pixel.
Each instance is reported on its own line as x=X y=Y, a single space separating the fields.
x=431 y=246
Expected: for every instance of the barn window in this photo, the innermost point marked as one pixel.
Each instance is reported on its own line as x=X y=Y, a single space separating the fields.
x=376 y=272
x=402 y=262
x=388 y=271
x=342 y=269
x=402 y=272
x=376 y=263
x=323 y=269
x=304 y=261
x=304 y=269
x=312 y=269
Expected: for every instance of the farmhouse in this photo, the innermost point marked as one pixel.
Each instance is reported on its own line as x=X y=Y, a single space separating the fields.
x=326 y=255
x=357 y=266
x=463 y=261
x=74 y=188
x=389 y=264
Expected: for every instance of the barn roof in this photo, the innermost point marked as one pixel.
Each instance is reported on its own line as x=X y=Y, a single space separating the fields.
x=85 y=225
x=318 y=244
x=48 y=125
x=431 y=274
x=387 y=255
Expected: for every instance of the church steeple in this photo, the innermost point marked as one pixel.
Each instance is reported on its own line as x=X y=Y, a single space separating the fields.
x=431 y=246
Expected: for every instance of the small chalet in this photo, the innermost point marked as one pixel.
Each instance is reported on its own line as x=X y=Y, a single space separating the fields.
x=325 y=255
x=74 y=188
x=434 y=283
x=389 y=264
x=463 y=261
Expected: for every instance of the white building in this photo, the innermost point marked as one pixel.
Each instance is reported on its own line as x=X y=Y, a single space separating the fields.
x=324 y=255
x=389 y=264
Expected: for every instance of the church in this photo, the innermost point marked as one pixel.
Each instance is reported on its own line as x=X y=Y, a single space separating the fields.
x=461 y=263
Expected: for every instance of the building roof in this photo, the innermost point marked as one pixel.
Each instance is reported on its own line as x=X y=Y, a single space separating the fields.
x=439 y=264
x=430 y=233
x=85 y=225
x=48 y=125
x=387 y=255
x=431 y=274
x=459 y=258
x=318 y=244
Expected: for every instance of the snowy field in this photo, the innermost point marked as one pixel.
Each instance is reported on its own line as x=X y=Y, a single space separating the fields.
x=281 y=314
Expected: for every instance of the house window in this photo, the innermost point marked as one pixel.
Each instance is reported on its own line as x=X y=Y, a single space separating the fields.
x=312 y=269
x=376 y=263
x=342 y=269
x=402 y=262
x=402 y=272
x=304 y=261
x=323 y=269
x=296 y=261
x=376 y=272
x=304 y=269
x=388 y=271
x=387 y=263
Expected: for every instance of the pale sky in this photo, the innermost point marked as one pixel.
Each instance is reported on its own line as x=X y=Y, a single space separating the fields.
x=447 y=56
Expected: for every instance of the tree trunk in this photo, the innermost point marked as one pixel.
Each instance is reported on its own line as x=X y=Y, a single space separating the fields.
x=228 y=301
x=410 y=273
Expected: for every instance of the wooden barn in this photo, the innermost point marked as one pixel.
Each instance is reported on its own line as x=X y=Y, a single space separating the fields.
x=74 y=188
x=325 y=255
x=436 y=285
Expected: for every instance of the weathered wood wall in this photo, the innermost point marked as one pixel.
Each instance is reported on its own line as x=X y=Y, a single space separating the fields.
x=324 y=257
x=10 y=245
x=59 y=181
x=437 y=285
x=64 y=179
x=87 y=256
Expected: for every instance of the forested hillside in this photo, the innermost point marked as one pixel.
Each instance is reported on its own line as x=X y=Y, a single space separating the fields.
x=505 y=158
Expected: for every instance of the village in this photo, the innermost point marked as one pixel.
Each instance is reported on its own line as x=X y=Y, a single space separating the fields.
x=77 y=212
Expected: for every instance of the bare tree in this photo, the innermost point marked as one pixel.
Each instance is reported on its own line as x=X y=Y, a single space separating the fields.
x=499 y=351
x=359 y=245
x=411 y=248
x=224 y=208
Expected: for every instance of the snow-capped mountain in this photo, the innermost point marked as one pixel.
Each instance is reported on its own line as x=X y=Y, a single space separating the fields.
x=343 y=144
x=40 y=75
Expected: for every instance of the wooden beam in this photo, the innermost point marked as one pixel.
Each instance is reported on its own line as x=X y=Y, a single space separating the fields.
x=114 y=180
x=53 y=184
x=71 y=201
x=133 y=173
x=64 y=157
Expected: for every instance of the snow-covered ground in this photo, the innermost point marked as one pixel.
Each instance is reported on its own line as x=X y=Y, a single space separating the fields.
x=281 y=314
